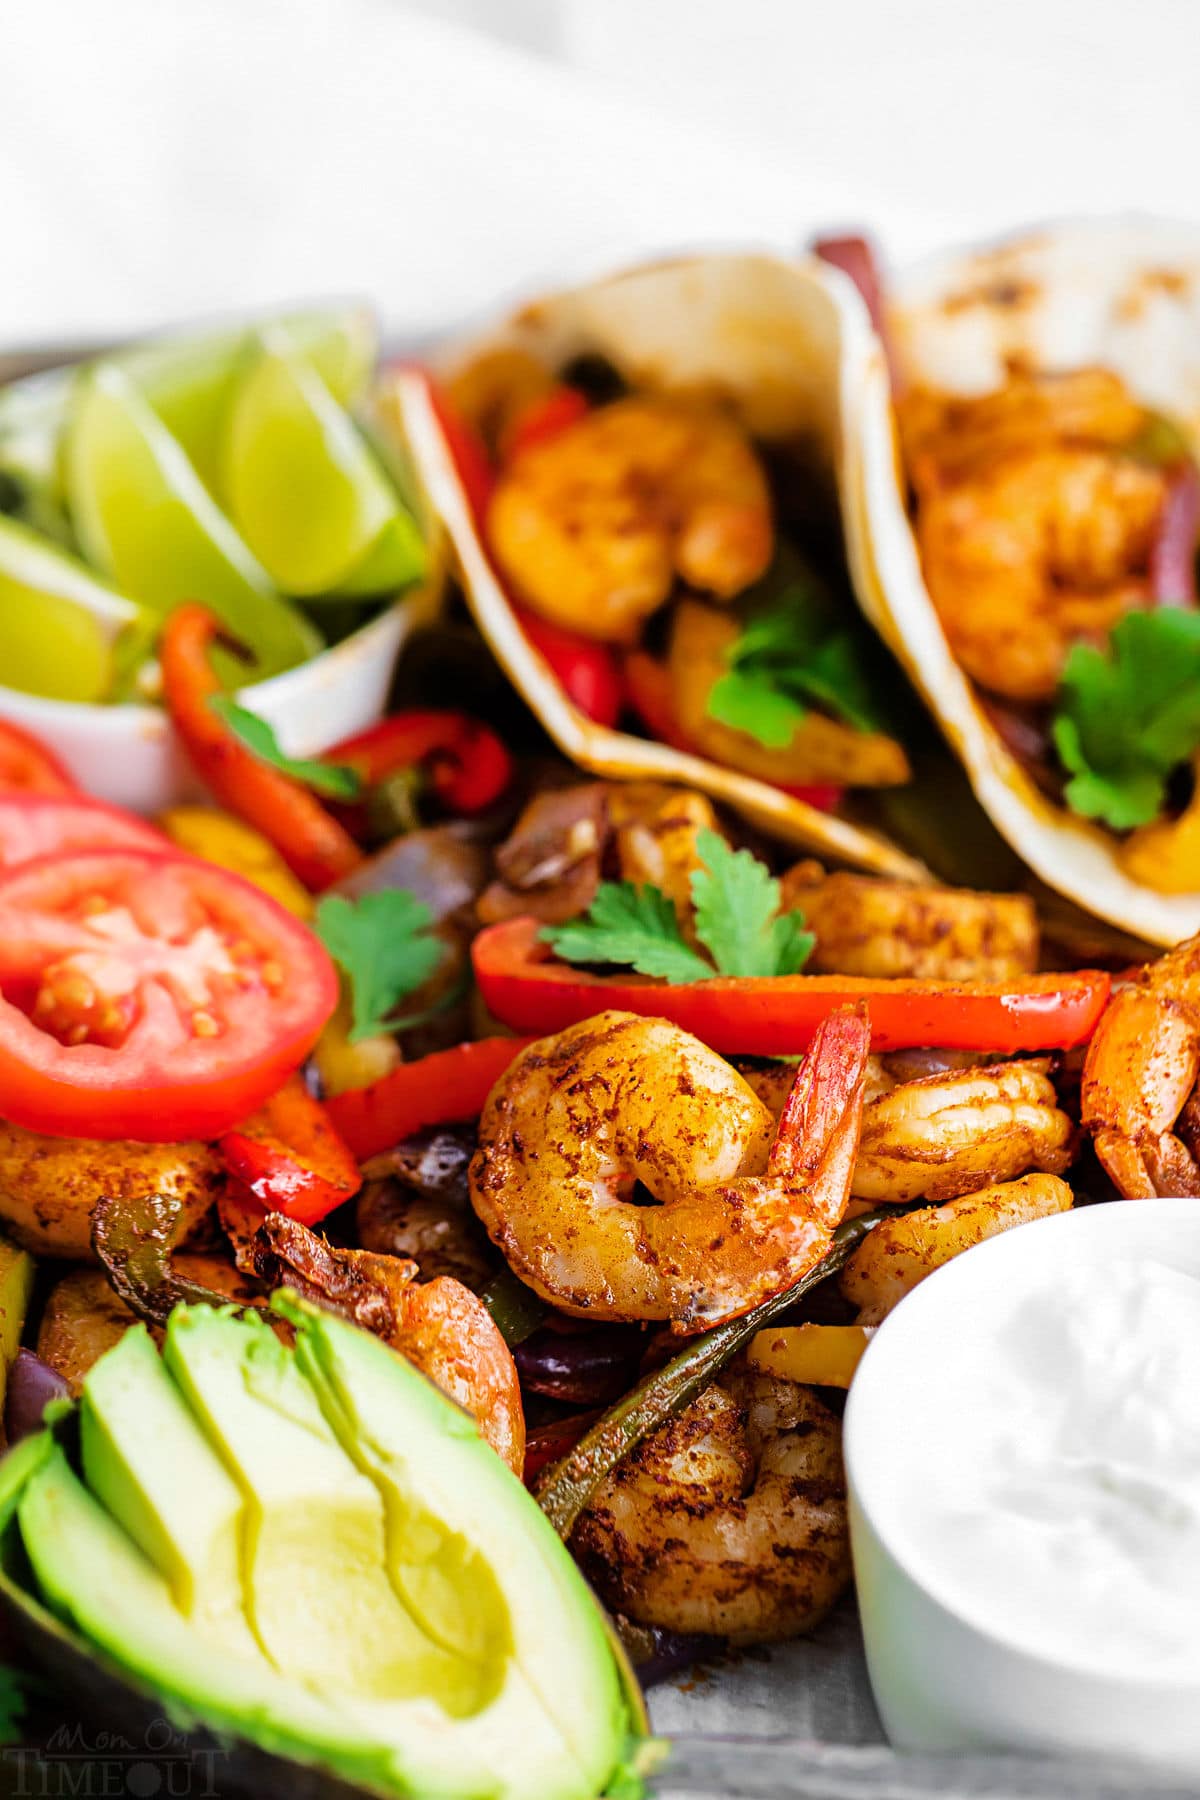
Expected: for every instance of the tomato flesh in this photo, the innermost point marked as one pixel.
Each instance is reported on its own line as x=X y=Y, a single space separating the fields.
x=27 y=766
x=33 y=825
x=150 y=996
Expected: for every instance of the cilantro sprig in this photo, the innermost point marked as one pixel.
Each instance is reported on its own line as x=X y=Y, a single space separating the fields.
x=1126 y=719
x=738 y=921
x=337 y=780
x=795 y=652
x=384 y=946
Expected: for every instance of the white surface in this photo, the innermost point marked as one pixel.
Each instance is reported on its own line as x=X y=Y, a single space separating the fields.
x=161 y=159
x=951 y=1668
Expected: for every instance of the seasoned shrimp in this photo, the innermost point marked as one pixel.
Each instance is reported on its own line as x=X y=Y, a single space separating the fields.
x=868 y=926
x=656 y=842
x=49 y=1185
x=593 y=527
x=730 y=1519
x=440 y=1326
x=1141 y=1066
x=901 y=1252
x=1034 y=554
x=743 y=1210
x=949 y=1134
x=968 y=431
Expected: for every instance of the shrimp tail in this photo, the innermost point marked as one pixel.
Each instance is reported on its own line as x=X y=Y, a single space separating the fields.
x=818 y=1132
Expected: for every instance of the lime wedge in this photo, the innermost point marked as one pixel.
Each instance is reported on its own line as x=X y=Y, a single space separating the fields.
x=143 y=516
x=304 y=488
x=188 y=379
x=63 y=634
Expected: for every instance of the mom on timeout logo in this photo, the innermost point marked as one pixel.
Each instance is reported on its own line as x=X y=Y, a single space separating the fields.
x=73 y=1764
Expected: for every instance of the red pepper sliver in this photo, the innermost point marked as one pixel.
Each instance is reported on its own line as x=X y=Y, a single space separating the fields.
x=312 y=843
x=289 y=1156
x=468 y=765
x=586 y=670
x=447 y=1088
x=544 y=419
x=778 y=1015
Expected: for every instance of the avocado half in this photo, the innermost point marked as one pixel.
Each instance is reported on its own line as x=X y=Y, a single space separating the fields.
x=309 y=1558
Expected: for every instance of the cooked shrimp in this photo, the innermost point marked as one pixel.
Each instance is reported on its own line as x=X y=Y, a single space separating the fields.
x=901 y=1252
x=730 y=1520
x=1141 y=1066
x=868 y=926
x=440 y=1326
x=593 y=527
x=821 y=749
x=968 y=431
x=949 y=1134
x=743 y=1210
x=1034 y=554
x=49 y=1185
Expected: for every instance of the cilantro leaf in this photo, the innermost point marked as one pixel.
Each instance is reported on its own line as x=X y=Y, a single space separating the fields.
x=335 y=779
x=736 y=900
x=794 y=650
x=737 y=913
x=749 y=701
x=1125 y=720
x=629 y=925
x=382 y=944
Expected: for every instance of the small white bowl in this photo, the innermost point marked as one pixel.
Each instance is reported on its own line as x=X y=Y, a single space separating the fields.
x=945 y=1679
x=129 y=754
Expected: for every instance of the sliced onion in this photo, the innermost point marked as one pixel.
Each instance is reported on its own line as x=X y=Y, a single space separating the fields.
x=32 y=1385
x=1173 y=555
x=587 y=1368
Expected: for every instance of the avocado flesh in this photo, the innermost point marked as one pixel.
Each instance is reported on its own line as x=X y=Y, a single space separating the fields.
x=317 y=1589
x=183 y=1509
x=430 y=1464
x=535 y=1713
x=92 y=1574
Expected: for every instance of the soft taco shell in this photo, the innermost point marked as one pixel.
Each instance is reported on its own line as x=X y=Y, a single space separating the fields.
x=783 y=346
x=1123 y=295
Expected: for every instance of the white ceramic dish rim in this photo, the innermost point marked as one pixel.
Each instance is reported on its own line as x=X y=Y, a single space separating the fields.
x=856 y=1430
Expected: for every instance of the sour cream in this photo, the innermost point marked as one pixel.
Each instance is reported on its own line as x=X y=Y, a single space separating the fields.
x=1064 y=1504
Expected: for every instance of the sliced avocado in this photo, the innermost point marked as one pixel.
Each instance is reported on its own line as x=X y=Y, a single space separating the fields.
x=418 y=1626
x=454 y=1511
x=317 y=1590
x=91 y=1573
x=16 y=1286
x=184 y=1510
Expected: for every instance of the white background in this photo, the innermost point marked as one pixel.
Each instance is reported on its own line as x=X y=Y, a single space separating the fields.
x=164 y=158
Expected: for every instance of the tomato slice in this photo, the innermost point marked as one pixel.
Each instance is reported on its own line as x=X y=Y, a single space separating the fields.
x=28 y=767
x=33 y=825
x=149 y=996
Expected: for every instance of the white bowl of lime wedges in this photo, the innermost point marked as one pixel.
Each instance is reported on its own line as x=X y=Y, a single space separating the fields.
x=240 y=467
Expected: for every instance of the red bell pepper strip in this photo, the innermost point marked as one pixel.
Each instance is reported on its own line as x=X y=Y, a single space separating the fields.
x=545 y=418
x=289 y=1156
x=587 y=671
x=467 y=764
x=855 y=257
x=1173 y=552
x=447 y=1088
x=648 y=687
x=777 y=1015
x=309 y=839
x=28 y=767
x=548 y=1444
x=467 y=450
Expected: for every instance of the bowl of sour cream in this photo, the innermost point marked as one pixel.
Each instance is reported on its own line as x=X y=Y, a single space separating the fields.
x=1022 y=1447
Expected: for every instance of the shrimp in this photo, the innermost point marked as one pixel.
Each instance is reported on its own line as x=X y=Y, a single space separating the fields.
x=1141 y=1066
x=730 y=1519
x=439 y=1326
x=743 y=1210
x=965 y=432
x=49 y=1185
x=901 y=1252
x=1035 y=553
x=948 y=1134
x=656 y=842
x=593 y=526
x=868 y=926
